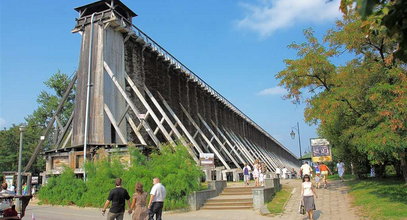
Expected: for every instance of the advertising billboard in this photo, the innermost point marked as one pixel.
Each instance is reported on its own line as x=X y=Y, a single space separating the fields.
x=321 y=150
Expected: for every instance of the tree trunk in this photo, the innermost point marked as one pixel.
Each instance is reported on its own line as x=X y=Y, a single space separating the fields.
x=403 y=163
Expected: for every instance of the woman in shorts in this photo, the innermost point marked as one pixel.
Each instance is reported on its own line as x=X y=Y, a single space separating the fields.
x=324 y=173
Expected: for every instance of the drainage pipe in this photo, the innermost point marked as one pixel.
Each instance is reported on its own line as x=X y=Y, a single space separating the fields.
x=85 y=139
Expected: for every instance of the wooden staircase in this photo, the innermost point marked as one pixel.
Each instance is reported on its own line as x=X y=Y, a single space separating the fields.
x=231 y=198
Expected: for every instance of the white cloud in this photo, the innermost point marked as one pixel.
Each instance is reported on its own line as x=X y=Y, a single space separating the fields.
x=273 y=91
x=270 y=15
x=3 y=123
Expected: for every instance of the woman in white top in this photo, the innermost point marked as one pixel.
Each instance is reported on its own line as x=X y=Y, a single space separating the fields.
x=256 y=173
x=308 y=193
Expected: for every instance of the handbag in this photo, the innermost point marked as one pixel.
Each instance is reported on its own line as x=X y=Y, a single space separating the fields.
x=302 y=208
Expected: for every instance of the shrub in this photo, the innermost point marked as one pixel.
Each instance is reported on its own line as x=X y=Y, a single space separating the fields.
x=176 y=169
x=64 y=189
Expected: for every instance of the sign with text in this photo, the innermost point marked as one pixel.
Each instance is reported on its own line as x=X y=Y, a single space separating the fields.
x=9 y=179
x=207 y=159
x=321 y=150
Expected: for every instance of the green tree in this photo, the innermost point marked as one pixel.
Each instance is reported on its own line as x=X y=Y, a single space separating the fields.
x=48 y=102
x=359 y=106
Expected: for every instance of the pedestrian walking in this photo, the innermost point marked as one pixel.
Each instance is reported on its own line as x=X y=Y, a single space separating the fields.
x=308 y=193
x=157 y=196
x=305 y=169
x=139 y=204
x=285 y=173
x=294 y=174
x=278 y=172
x=317 y=180
x=117 y=197
x=262 y=174
x=341 y=169
x=246 y=173
x=324 y=173
x=256 y=172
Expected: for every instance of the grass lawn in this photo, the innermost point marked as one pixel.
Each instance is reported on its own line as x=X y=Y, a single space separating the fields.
x=380 y=199
x=336 y=177
x=276 y=206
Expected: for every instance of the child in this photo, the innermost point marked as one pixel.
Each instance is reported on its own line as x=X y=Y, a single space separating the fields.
x=317 y=180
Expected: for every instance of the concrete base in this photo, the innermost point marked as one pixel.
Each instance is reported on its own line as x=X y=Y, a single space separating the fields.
x=198 y=198
x=261 y=196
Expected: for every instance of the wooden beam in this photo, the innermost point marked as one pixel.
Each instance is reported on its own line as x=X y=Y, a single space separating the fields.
x=63 y=133
x=218 y=141
x=228 y=142
x=181 y=125
x=114 y=123
x=205 y=138
x=50 y=123
x=149 y=109
x=131 y=104
x=136 y=130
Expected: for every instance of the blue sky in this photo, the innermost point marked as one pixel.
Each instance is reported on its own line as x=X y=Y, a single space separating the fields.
x=235 y=46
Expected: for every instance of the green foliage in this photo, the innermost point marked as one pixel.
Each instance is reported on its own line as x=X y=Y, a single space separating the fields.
x=390 y=15
x=276 y=205
x=47 y=104
x=360 y=106
x=380 y=199
x=64 y=189
x=176 y=169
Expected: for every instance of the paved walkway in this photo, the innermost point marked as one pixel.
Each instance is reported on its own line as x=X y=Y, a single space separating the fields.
x=332 y=203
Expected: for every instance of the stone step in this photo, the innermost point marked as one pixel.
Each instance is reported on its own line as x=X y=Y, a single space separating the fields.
x=208 y=204
x=216 y=201
x=236 y=193
x=226 y=207
x=235 y=190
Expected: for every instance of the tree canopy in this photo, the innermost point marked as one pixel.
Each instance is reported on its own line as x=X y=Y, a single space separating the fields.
x=34 y=123
x=360 y=106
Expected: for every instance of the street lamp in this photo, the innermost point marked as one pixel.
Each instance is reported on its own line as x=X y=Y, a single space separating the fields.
x=22 y=129
x=292 y=134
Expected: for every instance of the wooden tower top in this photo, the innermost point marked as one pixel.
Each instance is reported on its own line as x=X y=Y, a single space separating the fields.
x=106 y=5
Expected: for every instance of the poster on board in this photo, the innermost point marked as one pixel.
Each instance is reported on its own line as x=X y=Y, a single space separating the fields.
x=321 y=150
x=9 y=179
x=207 y=160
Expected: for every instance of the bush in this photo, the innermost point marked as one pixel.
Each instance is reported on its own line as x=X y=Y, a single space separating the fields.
x=64 y=189
x=176 y=169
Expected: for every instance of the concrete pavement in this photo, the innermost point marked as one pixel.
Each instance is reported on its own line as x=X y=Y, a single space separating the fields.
x=333 y=203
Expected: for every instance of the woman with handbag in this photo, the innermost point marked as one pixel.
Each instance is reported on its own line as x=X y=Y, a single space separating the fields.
x=308 y=193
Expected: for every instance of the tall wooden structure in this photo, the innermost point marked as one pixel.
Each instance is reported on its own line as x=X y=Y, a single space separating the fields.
x=130 y=89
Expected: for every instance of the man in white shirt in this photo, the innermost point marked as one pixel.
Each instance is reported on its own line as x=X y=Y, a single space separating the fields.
x=278 y=172
x=157 y=196
x=305 y=169
x=341 y=169
x=284 y=173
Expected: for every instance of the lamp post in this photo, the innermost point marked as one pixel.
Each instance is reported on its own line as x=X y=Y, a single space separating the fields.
x=292 y=133
x=22 y=129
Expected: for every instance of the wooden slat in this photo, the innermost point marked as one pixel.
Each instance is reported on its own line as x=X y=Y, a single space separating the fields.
x=50 y=123
x=114 y=123
x=136 y=130
x=178 y=121
x=219 y=156
x=132 y=106
x=149 y=109
x=228 y=143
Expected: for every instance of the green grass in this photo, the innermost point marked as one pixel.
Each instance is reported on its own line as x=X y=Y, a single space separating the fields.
x=276 y=206
x=336 y=177
x=380 y=199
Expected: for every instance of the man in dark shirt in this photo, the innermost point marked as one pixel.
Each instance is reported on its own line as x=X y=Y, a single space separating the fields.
x=117 y=197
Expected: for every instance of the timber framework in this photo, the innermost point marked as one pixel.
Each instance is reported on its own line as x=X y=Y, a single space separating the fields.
x=129 y=89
